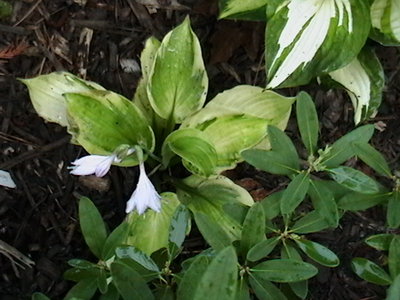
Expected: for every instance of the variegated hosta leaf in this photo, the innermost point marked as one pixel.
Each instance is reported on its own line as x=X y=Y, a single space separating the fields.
x=46 y=92
x=385 y=19
x=210 y=200
x=198 y=153
x=178 y=82
x=306 y=38
x=243 y=9
x=101 y=121
x=149 y=232
x=363 y=80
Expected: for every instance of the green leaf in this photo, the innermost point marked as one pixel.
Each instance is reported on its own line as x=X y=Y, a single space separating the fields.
x=121 y=123
x=178 y=229
x=78 y=274
x=138 y=256
x=243 y=9
x=111 y=294
x=129 y=283
x=84 y=289
x=220 y=279
x=295 y=193
x=354 y=201
x=178 y=82
x=393 y=292
x=207 y=199
x=149 y=232
x=265 y=290
x=6 y=9
x=115 y=239
x=82 y=264
x=263 y=248
x=195 y=148
x=342 y=149
x=283 y=145
x=307 y=120
x=232 y=134
x=394 y=256
x=92 y=226
x=46 y=92
x=253 y=228
x=39 y=296
x=102 y=281
x=385 y=21
x=249 y=100
x=318 y=253
x=364 y=80
x=354 y=180
x=311 y=222
x=372 y=158
x=271 y=205
x=191 y=278
x=165 y=292
x=393 y=210
x=370 y=271
x=324 y=202
x=242 y=290
x=380 y=241
x=269 y=161
x=293 y=58
x=283 y=270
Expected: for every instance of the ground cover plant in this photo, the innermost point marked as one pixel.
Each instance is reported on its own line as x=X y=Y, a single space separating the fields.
x=182 y=142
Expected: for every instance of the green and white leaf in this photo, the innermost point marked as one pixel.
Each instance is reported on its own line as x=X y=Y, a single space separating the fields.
x=208 y=199
x=46 y=92
x=243 y=9
x=363 y=79
x=178 y=83
x=306 y=38
x=385 y=19
x=149 y=232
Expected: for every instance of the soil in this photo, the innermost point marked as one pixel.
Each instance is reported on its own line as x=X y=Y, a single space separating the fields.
x=93 y=39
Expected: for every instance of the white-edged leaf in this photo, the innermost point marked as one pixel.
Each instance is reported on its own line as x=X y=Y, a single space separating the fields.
x=363 y=80
x=305 y=38
x=243 y=9
x=385 y=19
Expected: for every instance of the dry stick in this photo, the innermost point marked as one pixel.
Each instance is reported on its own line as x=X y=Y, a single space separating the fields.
x=34 y=153
x=28 y=13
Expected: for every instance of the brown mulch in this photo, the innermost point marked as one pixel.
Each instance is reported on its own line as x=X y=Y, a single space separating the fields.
x=39 y=217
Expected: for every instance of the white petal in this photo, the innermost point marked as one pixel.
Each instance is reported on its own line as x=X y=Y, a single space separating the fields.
x=145 y=195
x=91 y=164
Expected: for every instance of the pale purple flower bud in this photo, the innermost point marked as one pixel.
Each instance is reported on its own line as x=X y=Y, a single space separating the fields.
x=93 y=164
x=145 y=195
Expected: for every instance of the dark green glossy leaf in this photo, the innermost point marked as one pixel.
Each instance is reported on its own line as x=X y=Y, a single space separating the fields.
x=311 y=222
x=393 y=292
x=129 y=283
x=380 y=241
x=253 y=228
x=265 y=290
x=284 y=270
x=354 y=180
x=111 y=294
x=324 y=202
x=115 y=239
x=39 y=296
x=77 y=275
x=84 y=289
x=165 y=292
x=220 y=279
x=102 y=281
x=370 y=271
x=354 y=201
x=295 y=193
x=318 y=253
x=394 y=256
x=242 y=290
x=372 y=158
x=140 y=257
x=393 y=210
x=262 y=249
x=192 y=276
x=282 y=144
x=92 y=226
x=82 y=264
x=271 y=205
x=307 y=120
x=342 y=149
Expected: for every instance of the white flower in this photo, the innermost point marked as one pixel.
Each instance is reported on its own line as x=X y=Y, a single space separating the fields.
x=145 y=195
x=93 y=164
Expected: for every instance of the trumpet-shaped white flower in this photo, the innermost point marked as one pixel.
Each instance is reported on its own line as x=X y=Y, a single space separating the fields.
x=145 y=195
x=93 y=164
